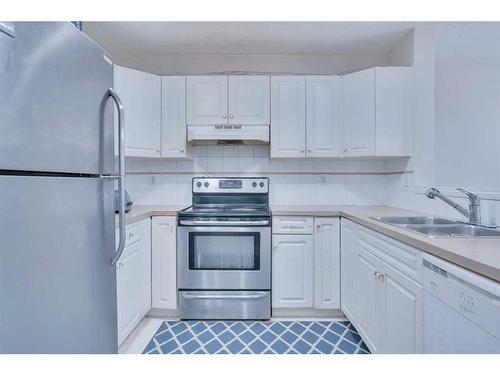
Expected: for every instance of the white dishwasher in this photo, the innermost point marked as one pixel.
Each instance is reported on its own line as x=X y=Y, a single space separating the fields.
x=461 y=309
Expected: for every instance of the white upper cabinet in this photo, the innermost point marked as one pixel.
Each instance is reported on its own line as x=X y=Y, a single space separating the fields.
x=206 y=100
x=141 y=96
x=324 y=116
x=221 y=100
x=327 y=263
x=288 y=116
x=173 y=119
x=377 y=112
x=249 y=100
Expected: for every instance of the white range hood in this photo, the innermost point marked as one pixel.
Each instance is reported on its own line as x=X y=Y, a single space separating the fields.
x=227 y=134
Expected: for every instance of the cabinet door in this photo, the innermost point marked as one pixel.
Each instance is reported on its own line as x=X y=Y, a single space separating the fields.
x=133 y=279
x=173 y=119
x=348 y=259
x=359 y=113
x=401 y=309
x=143 y=280
x=288 y=116
x=324 y=116
x=249 y=100
x=327 y=263
x=127 y=292
x=206 y=100
x=164 y=285
x=368 y=298
x=293 y=267
x=141 y=96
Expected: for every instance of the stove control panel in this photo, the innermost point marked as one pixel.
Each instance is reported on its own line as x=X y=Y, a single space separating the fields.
x=231 y=185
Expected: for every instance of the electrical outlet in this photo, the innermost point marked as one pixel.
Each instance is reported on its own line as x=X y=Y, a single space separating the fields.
x=152 y=180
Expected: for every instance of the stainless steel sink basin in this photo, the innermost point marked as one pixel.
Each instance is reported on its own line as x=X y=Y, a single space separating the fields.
x=458 y=230
x=413 y=220
x=437 y=227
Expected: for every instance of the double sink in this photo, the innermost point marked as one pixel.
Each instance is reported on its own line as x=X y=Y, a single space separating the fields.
x=437 y=227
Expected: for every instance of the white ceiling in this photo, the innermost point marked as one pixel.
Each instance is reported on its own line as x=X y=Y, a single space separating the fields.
x=246 y=38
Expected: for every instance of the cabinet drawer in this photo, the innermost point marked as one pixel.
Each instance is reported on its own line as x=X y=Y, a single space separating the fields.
x=402 y=257
x=292 y=225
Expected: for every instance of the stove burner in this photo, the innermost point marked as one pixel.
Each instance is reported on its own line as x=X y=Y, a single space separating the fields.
x=222 y=202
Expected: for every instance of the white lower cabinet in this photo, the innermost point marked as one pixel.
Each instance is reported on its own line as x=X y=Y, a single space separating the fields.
x=347 y=271
x=306 y=262
x=133 y=278
x=327 y=263
x=293 y=266
x=381 y=291
x=164 y=285
x=367 y=290
x=402 y=300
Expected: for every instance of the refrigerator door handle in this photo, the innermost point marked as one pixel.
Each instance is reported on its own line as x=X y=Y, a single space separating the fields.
x=7 y=29
x=121 y=172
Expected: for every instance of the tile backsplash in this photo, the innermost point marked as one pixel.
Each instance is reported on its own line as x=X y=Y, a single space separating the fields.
x=293 y=181
x=311 y=182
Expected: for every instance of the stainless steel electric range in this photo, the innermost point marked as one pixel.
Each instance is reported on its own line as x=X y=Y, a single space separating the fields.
x=224 y=250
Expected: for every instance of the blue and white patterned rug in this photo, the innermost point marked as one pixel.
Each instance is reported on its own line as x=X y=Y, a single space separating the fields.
x=251 y=337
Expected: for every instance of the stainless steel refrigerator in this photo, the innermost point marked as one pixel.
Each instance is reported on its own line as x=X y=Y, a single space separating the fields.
x=57 y=181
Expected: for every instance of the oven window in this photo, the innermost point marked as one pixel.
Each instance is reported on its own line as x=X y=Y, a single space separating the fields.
x=224 y=251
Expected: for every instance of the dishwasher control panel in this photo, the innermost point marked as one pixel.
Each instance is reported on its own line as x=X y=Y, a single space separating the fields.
x=477 y=305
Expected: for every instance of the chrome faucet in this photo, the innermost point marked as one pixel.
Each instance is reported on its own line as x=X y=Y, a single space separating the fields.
x=474 y=211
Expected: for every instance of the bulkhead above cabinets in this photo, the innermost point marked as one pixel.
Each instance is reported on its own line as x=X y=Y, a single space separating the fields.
x=366 y=114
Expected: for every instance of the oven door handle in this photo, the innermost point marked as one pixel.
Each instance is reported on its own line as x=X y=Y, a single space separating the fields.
x=224 y=223
x=257 y=295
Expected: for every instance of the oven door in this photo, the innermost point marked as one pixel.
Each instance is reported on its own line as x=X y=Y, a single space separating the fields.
x=224 y=257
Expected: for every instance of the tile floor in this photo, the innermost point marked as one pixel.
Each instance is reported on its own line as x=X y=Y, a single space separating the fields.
x=250 y=337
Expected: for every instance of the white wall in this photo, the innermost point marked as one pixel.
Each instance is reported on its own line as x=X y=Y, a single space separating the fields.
x=468 y=106
x=464 y=147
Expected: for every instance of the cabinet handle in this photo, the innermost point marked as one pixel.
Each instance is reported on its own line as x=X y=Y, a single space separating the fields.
x=381 y=276
x=182 y=150
x=224 y=115
x=309 y=150
x=377 y=274
x=231 y=116
x=158 y=150
x=119 y=265
x=275 y=245
x=302 y=150
x=131 y=235
x=345 y=150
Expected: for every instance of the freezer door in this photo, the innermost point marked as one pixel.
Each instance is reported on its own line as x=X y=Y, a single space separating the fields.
x=53 y=116
x=57 y=287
